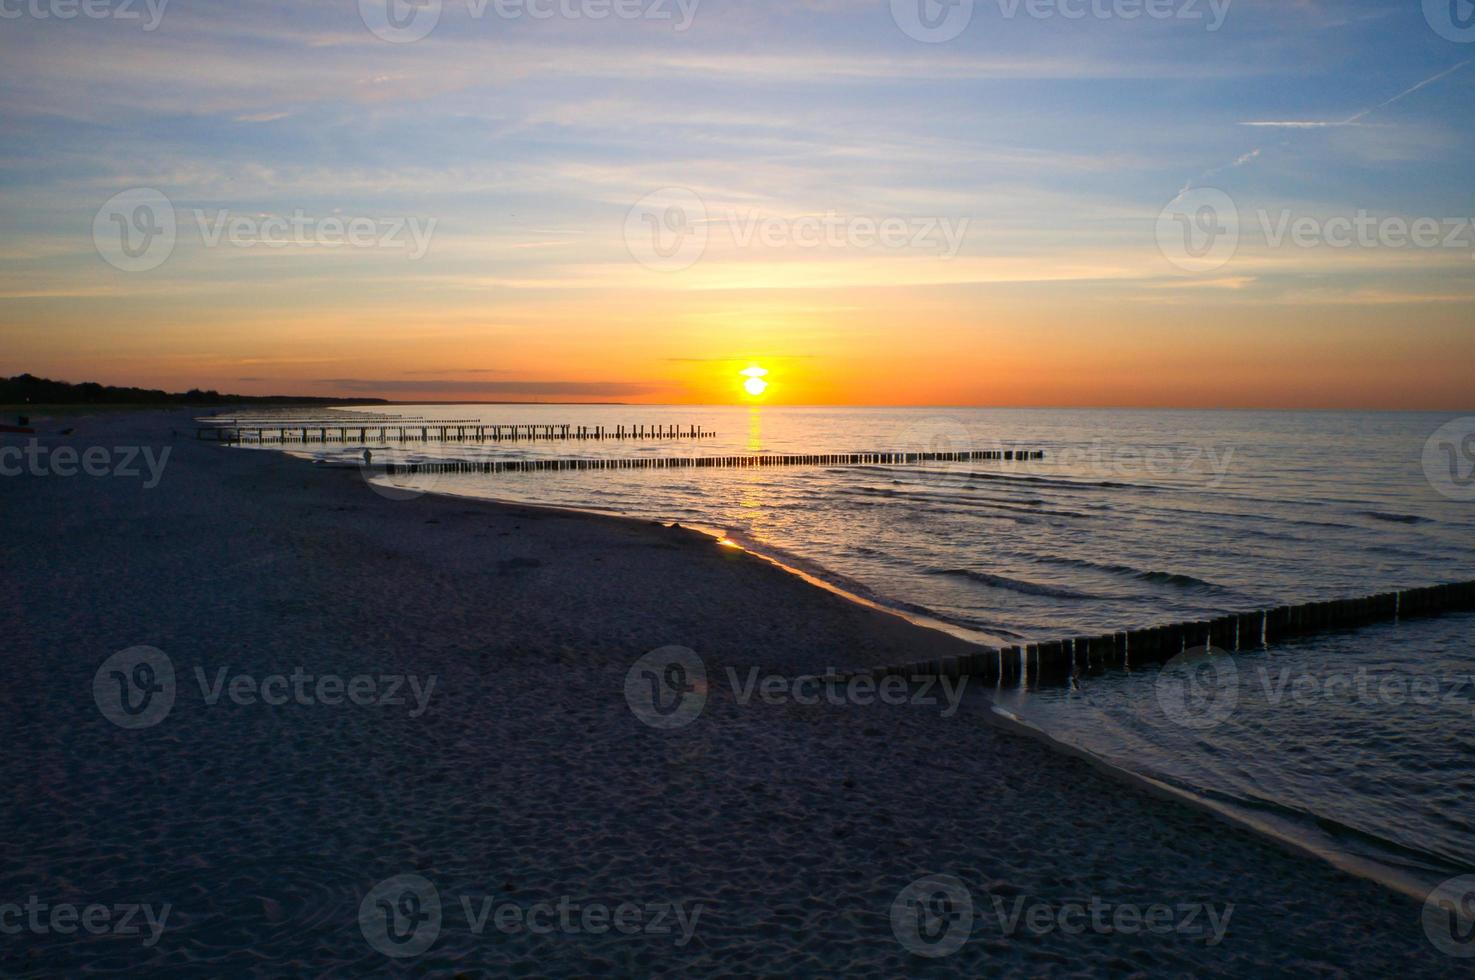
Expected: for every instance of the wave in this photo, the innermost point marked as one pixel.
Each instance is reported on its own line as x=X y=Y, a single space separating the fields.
x=970 y=502
x=1155 y=576
x=1066 y=483
x=1013 y=584
x=1397 y=866
x=972 y=630
x=1180 y=580
x=978 y=476
x=1379 y=515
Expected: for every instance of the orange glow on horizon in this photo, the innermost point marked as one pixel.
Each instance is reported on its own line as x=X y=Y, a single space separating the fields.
x=1019 y=347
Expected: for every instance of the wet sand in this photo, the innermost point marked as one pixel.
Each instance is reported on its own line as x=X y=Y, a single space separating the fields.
x=527 y=778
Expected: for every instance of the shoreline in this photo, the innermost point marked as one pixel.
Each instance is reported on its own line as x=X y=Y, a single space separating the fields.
x=1383 y=874
x=935 y=634
x=816 y=574
x=529 y=775
x=1291 y=839
x=975 y=638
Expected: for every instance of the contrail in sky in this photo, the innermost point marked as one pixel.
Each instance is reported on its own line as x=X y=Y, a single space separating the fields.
x=1352 y=120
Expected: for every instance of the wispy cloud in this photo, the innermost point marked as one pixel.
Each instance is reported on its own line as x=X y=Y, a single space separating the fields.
x=742 y=358
x=580 y=389
x=1296 y=124
x=445 y=371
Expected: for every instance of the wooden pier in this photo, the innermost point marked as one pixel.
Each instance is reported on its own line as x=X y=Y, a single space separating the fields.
x=564 y=464
x=1059 y=662
x=363 y=432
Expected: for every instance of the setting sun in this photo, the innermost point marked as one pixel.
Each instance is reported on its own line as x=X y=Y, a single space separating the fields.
x=755 y=383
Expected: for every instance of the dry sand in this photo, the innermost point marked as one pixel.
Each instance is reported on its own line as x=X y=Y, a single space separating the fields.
x=528 y=778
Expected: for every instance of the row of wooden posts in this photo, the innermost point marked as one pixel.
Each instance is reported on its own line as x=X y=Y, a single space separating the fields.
x=336 y=419
x=698 y=462
x=1059 y=661
x=442 y=431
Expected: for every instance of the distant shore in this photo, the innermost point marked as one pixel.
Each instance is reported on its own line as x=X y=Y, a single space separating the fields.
x=528 y=775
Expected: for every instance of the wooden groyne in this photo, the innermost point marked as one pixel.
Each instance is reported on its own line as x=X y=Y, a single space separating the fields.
x=702 y=462
x=438 y=430
x=210 y=426
x=1059 y=661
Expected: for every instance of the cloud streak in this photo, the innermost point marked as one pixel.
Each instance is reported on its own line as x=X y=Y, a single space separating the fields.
x=1296 y=123
x=580 y=389
x=1353 y=120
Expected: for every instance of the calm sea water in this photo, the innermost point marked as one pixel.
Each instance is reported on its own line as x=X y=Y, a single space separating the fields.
x=1133 y=518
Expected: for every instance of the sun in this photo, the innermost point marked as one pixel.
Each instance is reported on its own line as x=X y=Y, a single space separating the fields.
x=755 y=383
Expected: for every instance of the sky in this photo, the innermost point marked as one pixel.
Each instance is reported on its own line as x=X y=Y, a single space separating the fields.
x=1249 y=203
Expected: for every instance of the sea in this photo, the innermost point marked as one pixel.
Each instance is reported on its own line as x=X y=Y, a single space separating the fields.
x=1358 y=746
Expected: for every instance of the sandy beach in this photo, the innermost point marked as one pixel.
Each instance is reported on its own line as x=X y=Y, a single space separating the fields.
x=507 y=768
